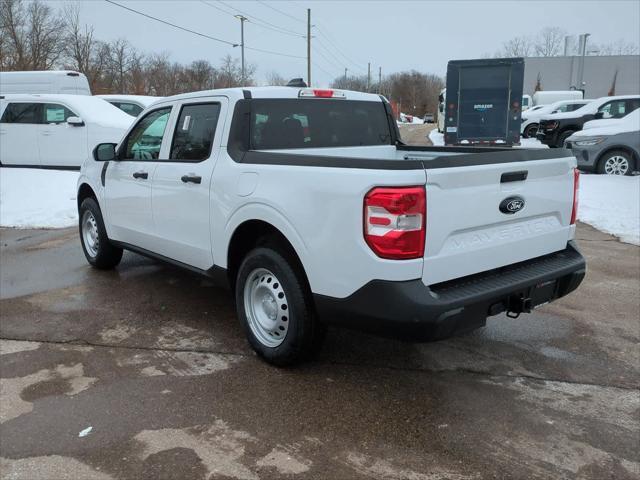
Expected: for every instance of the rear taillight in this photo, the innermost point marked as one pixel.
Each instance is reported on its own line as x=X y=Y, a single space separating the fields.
x=576 y=192
x=395 y=222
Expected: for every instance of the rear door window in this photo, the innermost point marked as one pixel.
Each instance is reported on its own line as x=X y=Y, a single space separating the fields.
x=195 y=130
x=26 y=113
x=309 y=123
x=614 y=109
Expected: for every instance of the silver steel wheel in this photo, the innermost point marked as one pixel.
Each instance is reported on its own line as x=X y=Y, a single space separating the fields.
x=266 y=307
x=90 y=236
x=616 y=165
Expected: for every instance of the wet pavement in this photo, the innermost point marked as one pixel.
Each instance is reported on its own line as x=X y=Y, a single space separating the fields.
x=144 y=372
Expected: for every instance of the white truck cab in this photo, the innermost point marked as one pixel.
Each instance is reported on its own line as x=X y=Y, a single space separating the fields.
x=65 y=82
x=305 y=202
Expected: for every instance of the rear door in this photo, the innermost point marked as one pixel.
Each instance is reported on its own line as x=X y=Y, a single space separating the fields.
x=128 y=180
x=18 y=134
x=467 y=232
x=182 y=184
x=61 y=144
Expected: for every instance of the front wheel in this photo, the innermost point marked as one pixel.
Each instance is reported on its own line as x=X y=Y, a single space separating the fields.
x=98 y=250
x=617 y=162
x=276 y=309
x=530 y=131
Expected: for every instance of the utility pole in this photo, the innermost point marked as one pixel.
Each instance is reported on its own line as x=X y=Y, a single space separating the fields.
x=345 y=73
x=309 y=47
x=368 y=76
x=242 y=19
x=380 y=81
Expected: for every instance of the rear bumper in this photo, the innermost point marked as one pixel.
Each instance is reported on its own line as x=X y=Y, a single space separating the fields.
x=412 y=311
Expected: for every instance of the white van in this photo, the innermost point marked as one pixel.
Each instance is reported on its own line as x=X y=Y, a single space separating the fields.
x=545 y=97
x=49 y=81
x=56 y=131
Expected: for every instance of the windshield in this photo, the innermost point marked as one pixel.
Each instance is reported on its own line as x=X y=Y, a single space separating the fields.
x=309 y=123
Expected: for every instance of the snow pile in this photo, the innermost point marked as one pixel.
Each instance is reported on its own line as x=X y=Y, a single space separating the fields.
x=612 y=204
x=32 y=198
x=438 y=140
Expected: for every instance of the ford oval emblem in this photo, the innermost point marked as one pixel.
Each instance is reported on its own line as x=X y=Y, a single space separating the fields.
x=511 y=205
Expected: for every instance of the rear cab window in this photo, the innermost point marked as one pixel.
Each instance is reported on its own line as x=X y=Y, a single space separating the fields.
x=314 y=123
x=195 y=131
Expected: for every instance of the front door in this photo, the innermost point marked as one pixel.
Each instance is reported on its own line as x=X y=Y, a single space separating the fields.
x=182 y=184
x=61 y=144
x=128 y=181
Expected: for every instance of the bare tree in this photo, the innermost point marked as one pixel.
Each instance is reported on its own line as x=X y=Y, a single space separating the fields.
x=275 y=79
x=82 y=51
x=229 y=74
x=516 y=47
x=618 y=47
x=32 y=35
x=549 y=42
x=357 y=83
x=200 y=75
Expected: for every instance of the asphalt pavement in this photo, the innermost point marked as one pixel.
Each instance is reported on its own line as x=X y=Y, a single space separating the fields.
x=144 y=372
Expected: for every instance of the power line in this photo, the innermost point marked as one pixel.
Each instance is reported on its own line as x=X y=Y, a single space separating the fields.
x=328 y=60
x=281 y=12
x=173 y=24
x=321 y=32
x=260 y=21
x=273 y=53
x=255 y=21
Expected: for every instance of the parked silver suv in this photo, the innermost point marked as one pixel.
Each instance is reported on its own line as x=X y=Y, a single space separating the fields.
x=610 y=149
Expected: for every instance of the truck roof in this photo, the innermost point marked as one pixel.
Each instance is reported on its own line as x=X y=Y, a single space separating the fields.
x=272 y=92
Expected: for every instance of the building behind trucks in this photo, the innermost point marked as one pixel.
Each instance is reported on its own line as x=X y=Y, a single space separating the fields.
x=483 y=101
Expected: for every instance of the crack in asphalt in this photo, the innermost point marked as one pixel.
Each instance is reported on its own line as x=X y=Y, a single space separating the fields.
x=470 y=371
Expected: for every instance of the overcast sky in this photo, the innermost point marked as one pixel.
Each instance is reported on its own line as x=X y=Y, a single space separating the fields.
x=397 y=35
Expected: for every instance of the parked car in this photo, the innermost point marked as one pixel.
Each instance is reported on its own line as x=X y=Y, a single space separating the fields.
x=46 y=82
x=56 y=131
x=556 y=128
x=131 y=104
x=612 y=149
x=428 y=118
x=307 y=232
x=531 y=118
x=546 y=97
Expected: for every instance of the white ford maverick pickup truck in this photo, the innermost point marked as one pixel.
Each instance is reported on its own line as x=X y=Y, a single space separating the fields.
x=309 y=206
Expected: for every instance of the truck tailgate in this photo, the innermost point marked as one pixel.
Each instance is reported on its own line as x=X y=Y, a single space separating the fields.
x=466 y=231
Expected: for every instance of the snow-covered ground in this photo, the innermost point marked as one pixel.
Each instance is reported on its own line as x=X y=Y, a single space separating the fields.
x=31 y=198
x=438 y=139
x=611 y=204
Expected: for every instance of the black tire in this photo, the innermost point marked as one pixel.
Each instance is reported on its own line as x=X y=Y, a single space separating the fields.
x=107 y=255
x=530 y=131
x=616 y=153
x=305 y=333
x=563 y=136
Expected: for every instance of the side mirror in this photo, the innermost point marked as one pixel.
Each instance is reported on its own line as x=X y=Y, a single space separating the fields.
x=75 y=121
x=104 y=152
x=599 y=115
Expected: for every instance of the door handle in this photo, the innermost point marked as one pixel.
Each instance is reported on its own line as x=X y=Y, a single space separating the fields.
x=143 y=175
x=191 y=179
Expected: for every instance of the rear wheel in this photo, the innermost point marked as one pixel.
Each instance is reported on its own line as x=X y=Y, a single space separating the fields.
x=276 y=309
x=616 y=162
x=530 y=131
x=98 y=250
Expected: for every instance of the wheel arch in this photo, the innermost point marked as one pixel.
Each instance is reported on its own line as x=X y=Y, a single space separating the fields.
x=85 y=191
x=625 y=148
x=250 y=231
